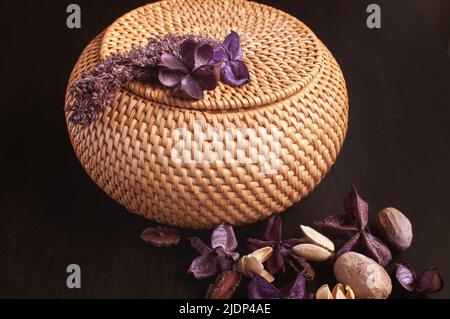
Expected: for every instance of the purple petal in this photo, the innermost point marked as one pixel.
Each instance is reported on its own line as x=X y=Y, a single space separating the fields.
x=273 y=229
x=171 y=62
x=203 y=55
x=358 y=208
x=235 y=73
x=405 y=276
x=430 y=281
x=199 y=245
x=187 y=51
x=276 y=262
x=220 y=54
x=206 y=76
x=350 y=245
x=375 y=247
x=170 y=78
x=189 y=88
x=255 y=244
x=204 y=266
x=223 y=262
x=259 y=288
x=337 y=225
x=298 y=288
x=233 y=44
x=223 y=236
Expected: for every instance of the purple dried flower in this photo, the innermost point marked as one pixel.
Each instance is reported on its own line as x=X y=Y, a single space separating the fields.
x=230 y=54
x=259 y=288
x=192 y=73
x=430 y=281
x=217 y=258
x=273 y=238
x=96 y=89
x=353 y=226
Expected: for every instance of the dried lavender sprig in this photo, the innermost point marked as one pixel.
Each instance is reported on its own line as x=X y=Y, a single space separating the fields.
x=96 y=88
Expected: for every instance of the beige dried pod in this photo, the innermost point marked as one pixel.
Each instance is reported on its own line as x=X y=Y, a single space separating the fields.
x=368 y=279
x=395 y=228
x=311 y=252
x=338 y=292
x=324 y=292
x=316 y=238
x=253 y=264
x=349 y=294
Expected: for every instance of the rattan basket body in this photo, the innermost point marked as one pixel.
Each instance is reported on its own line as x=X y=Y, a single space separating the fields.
x=297 y=89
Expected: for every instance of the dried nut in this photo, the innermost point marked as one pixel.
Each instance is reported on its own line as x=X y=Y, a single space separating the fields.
x=324 y=293
x=338 y=292
x=262 y=254
x=395 y=228
x=316 y=238
x=225 y=285
x=349 y=294
x=253 y=264
x=368 y=279
x=312 y=252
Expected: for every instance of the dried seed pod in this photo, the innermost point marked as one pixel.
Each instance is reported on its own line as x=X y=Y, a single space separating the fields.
x=312 y=252
x=225 y=285
x=368 y=279
x=316 y=238
x=349 y=294
x=253 y=264
x=395 y=228
x=324 y=292
x=338 y=292
x=161 y=236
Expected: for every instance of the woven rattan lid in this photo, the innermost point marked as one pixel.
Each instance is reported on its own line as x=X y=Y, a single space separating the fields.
x=282 y=54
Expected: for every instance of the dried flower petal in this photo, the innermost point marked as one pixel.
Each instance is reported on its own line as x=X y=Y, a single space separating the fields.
x=223 y=236
x=406 y=276
x=199 y=245
x=276 y=262
x=430 y=281
x=274 y=228
x=356 y=207
x=161 y=236
x=337 y=225
x=298 y=289
x=235 y=73
x=170 y=78
x=259 y=288
x=233 y=44
x=350 y=245
x=204 y=266
x=172 y=63
x=375 y=247
x=207 y=76
x=225 y=285
x=203 y=55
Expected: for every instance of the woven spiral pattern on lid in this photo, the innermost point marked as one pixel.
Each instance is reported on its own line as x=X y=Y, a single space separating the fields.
x=297 y=89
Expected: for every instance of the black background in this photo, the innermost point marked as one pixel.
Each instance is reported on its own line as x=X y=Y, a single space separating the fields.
x=51 y=214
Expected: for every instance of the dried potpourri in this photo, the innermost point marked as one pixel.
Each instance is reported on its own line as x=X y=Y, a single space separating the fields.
x=218 y=257
x=259 y=288
x=187 y=64
x=353 y=227
x=161 y=236
x=430 y=281
x=282 y=249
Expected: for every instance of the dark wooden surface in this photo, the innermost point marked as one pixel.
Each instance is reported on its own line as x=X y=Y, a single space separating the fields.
x=51 y=214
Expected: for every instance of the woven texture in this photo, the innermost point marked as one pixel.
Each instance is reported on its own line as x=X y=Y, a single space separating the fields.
x=297 y=88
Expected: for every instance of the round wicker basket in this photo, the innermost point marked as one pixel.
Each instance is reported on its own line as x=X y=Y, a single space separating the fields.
x=297 y=94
